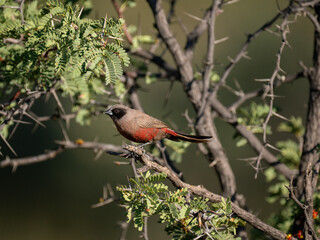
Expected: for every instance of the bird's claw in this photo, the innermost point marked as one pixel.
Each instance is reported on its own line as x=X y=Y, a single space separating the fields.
x=134 y=151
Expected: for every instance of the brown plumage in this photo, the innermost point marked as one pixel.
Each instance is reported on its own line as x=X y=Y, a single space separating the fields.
x=139 y=127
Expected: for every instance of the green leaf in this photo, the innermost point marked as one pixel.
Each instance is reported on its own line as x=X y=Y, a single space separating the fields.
x=120 y=88
x=295 y=126
x=150 y=79
x=214 y=77
x=270 y=174
x=241 y=142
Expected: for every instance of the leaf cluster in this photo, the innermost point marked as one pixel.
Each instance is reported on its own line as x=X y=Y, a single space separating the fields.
x=58 y=47
x=252 y=117
x=186 y=217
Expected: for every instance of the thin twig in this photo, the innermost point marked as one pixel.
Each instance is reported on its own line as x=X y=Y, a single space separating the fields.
x=124 y=27
x=208 y=65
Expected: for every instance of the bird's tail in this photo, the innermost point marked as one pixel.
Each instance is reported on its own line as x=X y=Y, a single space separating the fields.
x=175 y=136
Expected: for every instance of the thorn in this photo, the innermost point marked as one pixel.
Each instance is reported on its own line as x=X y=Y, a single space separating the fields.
x=248 y=159
x=231 y=59
x=20 y=121
x=104 y=25
x=280 y=116
x=262 y=80
x=58 y=101
x=221 y=40
x=67 y=123
x=9 y=146
x=213 y=163
x=273 y=147
x=34 y=118
x=110 y=189
x=14 y=167
x=64 y=132
x=194 y=17
x=273 y=96
x=121 y=163
x=98 y=155
x=245 y=56
x=80 y=12
x=47 y=97
x=105 y=192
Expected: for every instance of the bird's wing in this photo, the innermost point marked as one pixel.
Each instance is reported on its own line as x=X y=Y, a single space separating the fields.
x=149 y=122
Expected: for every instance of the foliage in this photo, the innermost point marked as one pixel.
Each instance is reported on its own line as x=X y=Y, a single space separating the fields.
x=59 y=47
x=289 y=154
x=185 y=217
x=179 y=148
x=253 y=117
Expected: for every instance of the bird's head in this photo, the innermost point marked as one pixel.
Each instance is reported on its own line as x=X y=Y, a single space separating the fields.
x=116 y=112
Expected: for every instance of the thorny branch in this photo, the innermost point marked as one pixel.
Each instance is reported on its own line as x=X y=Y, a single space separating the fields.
x=269 y=91
x=228 y=114
x=63 y=145
x=208 y=65
x=203 y=192
x=308 y=170
x=304 y=208
x=120 y=15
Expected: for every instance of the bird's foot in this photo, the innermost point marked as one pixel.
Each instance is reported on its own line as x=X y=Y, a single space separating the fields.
x=134 y=151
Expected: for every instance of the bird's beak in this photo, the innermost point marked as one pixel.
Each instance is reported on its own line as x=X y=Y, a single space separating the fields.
x=108 y=112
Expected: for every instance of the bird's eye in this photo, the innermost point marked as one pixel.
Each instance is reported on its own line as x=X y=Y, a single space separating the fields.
x=116 y=110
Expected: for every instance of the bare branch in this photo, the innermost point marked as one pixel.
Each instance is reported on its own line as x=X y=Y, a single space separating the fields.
x=242 y=52
x=124 y=226
x=63 y=145
x=145 y=228
x=194 y=35
x=208 y=65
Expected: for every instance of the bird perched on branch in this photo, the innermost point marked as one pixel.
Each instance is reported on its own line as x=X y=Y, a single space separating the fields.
x=139 y=127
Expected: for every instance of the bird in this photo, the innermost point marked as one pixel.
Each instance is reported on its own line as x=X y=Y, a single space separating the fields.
x=139 y=127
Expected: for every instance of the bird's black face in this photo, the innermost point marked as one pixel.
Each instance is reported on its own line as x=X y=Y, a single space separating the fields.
x=116 y=113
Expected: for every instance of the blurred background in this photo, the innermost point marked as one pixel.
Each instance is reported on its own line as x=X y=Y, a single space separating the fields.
x=52 y=199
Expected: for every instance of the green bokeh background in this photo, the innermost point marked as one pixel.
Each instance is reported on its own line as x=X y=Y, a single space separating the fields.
x=51 y=200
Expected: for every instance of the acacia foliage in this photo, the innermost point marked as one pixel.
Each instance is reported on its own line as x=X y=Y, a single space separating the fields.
x=59 y=47
x=185 y=217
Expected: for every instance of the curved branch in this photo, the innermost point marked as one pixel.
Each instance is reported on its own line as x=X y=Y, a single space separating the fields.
x=193 y=90
x=203 y=192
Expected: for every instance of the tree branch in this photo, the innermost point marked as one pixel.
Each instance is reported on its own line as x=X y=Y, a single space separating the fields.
x=203 y=192
x=194 y=35
x=310 y=154
x=242 y=53
x=254 y=142
x=63 y=145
